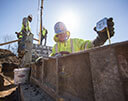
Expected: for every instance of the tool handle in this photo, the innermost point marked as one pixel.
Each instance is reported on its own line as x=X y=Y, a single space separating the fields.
x=108 y=35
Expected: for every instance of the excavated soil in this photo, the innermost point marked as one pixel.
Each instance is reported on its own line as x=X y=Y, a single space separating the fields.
x=8 y=62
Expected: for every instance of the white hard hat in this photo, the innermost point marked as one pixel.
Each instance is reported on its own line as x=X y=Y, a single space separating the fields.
x=60 y=28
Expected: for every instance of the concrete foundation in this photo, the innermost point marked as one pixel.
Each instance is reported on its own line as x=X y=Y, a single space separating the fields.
x=99 y=74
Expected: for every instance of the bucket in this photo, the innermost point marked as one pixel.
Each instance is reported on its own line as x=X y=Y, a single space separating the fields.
x=21 y=75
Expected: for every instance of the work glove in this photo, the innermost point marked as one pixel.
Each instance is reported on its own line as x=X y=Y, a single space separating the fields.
x=58 y=55
x=17 y=33
x=102 y=35
x=38 y=60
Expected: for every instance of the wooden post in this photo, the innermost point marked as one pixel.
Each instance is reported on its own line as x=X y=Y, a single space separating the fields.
x=41 y=23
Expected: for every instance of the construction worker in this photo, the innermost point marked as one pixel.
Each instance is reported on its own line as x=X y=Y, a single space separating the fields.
x=65 y=45
x=25 y=30
x=44 y=35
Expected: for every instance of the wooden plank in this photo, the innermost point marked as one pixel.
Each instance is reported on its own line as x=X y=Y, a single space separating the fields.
x=9 y=42
x=14 y=41
x=35 y=39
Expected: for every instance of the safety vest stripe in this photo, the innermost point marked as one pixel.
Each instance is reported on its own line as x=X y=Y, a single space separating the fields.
x=57 y=48
x=71 y=43
x=72 y=48
x=86 y=46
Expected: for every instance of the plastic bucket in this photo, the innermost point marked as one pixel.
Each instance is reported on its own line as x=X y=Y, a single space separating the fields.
x=21 y=75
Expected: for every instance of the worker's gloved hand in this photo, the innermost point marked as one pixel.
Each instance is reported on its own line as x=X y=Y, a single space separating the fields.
x=16 y=32
x=39 y=60
x=62 y=53
x=103 y=34
x=58 y=54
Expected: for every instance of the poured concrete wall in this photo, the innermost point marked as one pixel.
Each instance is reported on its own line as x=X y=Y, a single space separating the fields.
x=75 y=77
x=105 y=75
x=99 y=74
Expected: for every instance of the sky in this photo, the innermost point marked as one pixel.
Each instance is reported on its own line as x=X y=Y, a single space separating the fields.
x=79 y=16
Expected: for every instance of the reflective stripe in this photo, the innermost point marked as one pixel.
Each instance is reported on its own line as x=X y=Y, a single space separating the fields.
x=28 y=27
x=71 y=43
x=57 y=48
x=72 y=48
x=86 y=46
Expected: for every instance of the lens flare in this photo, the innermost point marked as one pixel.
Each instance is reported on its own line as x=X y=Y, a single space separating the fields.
x=70 y=20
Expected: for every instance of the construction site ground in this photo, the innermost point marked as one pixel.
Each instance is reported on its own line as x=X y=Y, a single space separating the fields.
x=30 y=92
x=8 y=62
x=8 y=90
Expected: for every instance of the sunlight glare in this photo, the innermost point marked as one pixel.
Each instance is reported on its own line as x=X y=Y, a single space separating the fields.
x=70 y=20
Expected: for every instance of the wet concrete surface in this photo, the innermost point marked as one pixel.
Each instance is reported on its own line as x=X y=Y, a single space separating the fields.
x=31 y=92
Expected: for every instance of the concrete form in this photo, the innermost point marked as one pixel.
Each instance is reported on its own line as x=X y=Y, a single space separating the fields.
x=99 y=74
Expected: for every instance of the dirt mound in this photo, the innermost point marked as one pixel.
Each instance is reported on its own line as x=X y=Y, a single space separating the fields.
x=7 y=56
x=8 y=62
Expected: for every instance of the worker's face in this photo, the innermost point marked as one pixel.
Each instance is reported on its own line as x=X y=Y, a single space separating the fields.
x=62 y=37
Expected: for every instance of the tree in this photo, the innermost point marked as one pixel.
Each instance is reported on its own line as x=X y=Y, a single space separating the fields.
x=13 y=46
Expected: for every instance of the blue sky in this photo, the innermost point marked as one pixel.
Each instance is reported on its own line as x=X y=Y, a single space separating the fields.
x=81 y=17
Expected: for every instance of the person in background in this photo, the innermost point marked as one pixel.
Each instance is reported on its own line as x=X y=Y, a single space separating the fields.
x=44 y=36
x=25 y=30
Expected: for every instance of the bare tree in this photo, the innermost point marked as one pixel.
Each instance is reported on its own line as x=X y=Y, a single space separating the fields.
x=13 y=46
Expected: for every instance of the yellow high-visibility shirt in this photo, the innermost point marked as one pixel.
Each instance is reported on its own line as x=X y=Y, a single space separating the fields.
x=71 y=46
x=44 y=32
x=25 y=25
